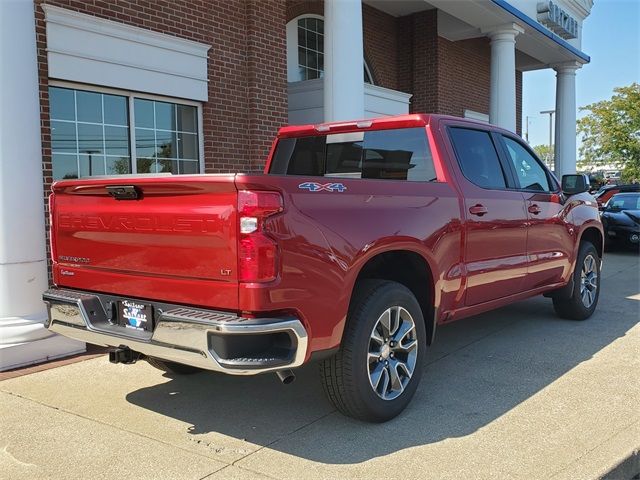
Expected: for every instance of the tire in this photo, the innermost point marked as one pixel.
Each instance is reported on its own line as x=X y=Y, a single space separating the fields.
x=172 y=367
x=584 y=298
x=349 y=376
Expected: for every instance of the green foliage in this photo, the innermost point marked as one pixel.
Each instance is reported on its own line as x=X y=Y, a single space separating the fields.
x=545 y=153
x=611 y=131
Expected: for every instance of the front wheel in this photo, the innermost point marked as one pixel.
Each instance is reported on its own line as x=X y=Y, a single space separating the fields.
x=586 y=286
x=376 y=372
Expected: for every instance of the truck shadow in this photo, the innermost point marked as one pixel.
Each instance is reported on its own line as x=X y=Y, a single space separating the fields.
x=478 y=370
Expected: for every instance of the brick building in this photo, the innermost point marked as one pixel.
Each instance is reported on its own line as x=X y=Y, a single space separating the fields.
x=101 y=87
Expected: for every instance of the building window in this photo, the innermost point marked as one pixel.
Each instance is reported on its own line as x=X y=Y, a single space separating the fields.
x=166 y=137
x=307 y=33
x=89 y=133
x=92 y=134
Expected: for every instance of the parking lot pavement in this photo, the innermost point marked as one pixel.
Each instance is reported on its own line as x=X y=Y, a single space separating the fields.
x=516 y=393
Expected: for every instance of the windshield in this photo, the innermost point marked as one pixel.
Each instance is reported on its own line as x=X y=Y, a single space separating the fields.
x=624 y=202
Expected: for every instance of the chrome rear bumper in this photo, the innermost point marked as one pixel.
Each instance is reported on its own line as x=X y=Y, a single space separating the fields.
x=190 y=336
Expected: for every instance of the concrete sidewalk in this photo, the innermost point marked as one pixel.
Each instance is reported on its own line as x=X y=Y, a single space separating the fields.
x=516 y=393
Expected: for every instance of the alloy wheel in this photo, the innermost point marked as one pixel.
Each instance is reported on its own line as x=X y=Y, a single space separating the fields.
x=588 y=281
x=393 y=351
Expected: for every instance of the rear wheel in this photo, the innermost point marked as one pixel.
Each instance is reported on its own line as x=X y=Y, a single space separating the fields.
x=586 y=286
x=376 y=372
x=172 y=367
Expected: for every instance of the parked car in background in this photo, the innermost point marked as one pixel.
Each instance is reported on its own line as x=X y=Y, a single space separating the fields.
x=360 y=238
x=607 y=191
x=621 y=220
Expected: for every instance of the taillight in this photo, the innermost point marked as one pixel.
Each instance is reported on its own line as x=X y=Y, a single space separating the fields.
x=257 y=251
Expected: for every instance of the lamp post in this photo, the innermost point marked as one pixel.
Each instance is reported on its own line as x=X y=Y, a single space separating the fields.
x=550 y=113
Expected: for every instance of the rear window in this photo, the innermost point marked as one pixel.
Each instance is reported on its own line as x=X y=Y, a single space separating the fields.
x=401 y=154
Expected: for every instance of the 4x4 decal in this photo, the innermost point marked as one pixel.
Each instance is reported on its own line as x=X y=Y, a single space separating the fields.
x=319 y=187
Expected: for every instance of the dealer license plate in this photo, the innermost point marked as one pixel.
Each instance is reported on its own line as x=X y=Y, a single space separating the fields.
x=135 y=315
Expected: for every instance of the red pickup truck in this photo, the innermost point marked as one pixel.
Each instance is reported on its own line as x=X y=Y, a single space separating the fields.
x=360 y=238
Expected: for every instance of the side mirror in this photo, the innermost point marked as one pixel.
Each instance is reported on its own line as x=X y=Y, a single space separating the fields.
x=576 y=183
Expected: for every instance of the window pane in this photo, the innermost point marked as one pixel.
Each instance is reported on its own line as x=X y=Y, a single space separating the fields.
x=118 y=166
x=312 y=59
x=531 y=175
x=91 y=165
x=299 y=156
x=187 y=146
x=63 y=137
x=166 y=144
x=302 y=57
x=115 y=110
x=116 y=140
x=187 y=119
x=401 y=154
x=167 y=166
x=477 y=157
x=189 y=167
x=320 y=25
x=146 y=165
x=312 y=40
x=145 y=142
x=165 y=116
x=144 y=113
x=89 y=106
x=61 y=103
x=64 y=166
x=90 y=138
x=344 y=155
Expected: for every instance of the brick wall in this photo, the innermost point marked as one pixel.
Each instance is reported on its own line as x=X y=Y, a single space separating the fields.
x=246 y=68
x=444 y=76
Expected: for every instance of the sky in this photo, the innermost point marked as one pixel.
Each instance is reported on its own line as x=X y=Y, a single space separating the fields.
x=611 y=37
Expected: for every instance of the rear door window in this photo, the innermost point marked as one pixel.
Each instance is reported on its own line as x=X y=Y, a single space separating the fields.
x=477 y=157
x=398 y=154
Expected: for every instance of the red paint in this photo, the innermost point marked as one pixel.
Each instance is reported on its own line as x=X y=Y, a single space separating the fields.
x=180 y=243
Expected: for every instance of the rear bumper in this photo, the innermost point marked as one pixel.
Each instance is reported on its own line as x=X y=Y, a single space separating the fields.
x=206 y=339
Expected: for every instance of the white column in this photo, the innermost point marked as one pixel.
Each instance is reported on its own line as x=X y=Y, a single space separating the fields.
x=343 y=60
x=502 y=107
x=23 y=271
x=565 y=138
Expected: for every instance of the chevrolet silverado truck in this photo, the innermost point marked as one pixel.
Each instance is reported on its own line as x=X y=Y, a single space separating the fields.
x=359 y=239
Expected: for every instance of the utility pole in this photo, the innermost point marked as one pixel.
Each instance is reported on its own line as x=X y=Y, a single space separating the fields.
x=526 y=131
x=550 y=113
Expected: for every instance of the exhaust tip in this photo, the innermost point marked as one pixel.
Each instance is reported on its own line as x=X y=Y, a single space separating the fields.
x=286 y=376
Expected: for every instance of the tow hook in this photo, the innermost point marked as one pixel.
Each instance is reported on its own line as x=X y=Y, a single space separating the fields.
x=123 y=355
x=286 y=376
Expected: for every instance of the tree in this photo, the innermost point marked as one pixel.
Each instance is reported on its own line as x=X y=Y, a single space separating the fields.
x=611 y=131
x=546 y=154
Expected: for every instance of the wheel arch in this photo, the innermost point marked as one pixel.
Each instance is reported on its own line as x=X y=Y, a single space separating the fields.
x=595 y=236
x=410 y=269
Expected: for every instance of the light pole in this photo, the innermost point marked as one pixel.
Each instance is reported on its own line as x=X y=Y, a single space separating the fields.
x=550 y=113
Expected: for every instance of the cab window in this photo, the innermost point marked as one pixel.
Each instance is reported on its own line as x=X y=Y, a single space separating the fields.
x=477 y=157
x=396 y=154
x=529 y=173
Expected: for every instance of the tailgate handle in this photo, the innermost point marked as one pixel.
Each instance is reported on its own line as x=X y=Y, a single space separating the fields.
x=124 y=192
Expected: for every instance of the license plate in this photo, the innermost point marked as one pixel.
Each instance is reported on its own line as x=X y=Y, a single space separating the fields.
x=135 y=315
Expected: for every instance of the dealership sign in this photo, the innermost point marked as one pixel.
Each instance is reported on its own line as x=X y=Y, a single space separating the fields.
x=557 y=20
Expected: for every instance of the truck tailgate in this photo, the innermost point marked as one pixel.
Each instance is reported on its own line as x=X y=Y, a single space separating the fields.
x=176 y=241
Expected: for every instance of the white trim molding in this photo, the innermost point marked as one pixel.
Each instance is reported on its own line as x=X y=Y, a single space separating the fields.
x=87 y=49
x=306 y=102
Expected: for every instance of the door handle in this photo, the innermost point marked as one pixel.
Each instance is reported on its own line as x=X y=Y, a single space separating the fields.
x=535 y=209
x=478 y=210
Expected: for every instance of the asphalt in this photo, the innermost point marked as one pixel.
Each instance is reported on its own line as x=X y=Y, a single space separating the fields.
x=512 y=394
